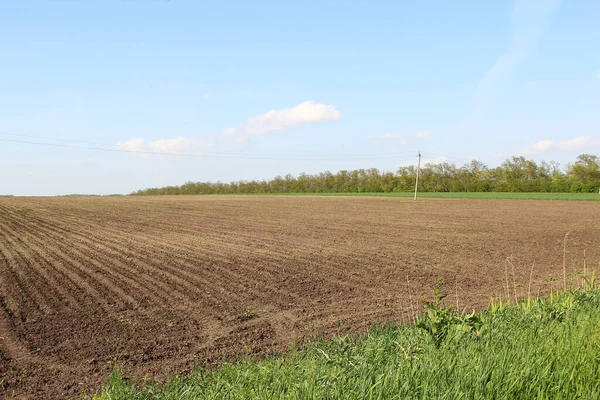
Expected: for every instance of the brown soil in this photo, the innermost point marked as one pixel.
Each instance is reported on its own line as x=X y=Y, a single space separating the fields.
x=156 y=285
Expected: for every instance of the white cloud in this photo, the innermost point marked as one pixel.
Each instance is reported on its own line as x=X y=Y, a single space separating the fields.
x=303 y=113
x=539 y=147
x=178 y=145
x=434 y=161
x=402 y=138
x=578 y=143
x=133 y=145
x=287 y=118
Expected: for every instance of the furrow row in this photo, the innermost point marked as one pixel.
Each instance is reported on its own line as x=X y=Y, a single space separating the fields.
x=167 y=253
x=92 y=273
x=271 y=264
x=75 y=275
x=120 y=258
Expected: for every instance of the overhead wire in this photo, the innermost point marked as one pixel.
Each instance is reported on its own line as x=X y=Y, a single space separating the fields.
x=177 y=153
x=149 y=149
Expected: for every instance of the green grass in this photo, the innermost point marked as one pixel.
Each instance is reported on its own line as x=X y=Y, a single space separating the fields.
x=465 y=195
x=541 y=349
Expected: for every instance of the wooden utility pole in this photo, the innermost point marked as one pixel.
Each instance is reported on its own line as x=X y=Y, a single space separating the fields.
x=418 y=170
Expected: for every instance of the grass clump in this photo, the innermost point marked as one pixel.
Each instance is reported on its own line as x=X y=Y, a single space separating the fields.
x=545 y=348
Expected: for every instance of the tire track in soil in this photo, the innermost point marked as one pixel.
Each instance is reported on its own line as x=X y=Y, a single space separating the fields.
x=358 y=317
x=120 y=256
x=23 y=275
x=352 y=285
x=216 y=339
x=67 y=287
x=92 y=249
x=314 y=261
x=223 y=336
x=17 y=292
x=249 y=241
x=343 y=282
x=116 y=243
x=217 y=275
x=15 y=357
x=273 y=260
x=65 y=293
x=255 y=237
x=77 y=264
x=9 y=346
x=237 y=273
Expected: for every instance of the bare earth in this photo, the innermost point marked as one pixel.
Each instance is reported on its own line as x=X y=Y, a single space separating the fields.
x=159 y=284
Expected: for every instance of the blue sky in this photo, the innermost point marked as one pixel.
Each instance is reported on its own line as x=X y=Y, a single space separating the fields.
x=254 y=89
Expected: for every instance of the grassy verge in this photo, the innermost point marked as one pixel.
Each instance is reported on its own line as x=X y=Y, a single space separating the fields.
x=459 y=195
x=543 y=348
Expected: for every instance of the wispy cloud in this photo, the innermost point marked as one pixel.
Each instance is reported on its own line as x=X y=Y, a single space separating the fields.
x=178 y=145
x=578 y=143
x=423 y=135
x=402 y=138
x=530 y=18
x=229 y=132
x=287 y=118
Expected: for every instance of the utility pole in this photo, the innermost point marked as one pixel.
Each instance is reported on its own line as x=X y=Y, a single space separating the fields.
x=417 y=180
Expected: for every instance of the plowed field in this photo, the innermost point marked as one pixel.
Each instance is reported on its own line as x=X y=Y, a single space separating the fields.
x=159 y=284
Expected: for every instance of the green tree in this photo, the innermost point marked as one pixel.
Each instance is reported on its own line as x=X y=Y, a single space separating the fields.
x=584 y=174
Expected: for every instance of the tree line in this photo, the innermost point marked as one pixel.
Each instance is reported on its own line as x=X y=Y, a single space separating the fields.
x=516 y=174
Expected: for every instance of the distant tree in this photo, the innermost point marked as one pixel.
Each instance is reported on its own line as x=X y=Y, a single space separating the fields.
x=516 y=174
x=584 y=174
x=406 y=177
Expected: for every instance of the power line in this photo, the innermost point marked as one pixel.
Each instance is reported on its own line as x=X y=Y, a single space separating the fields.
x=149 y=149
x=55 y=139
x=210 y=154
